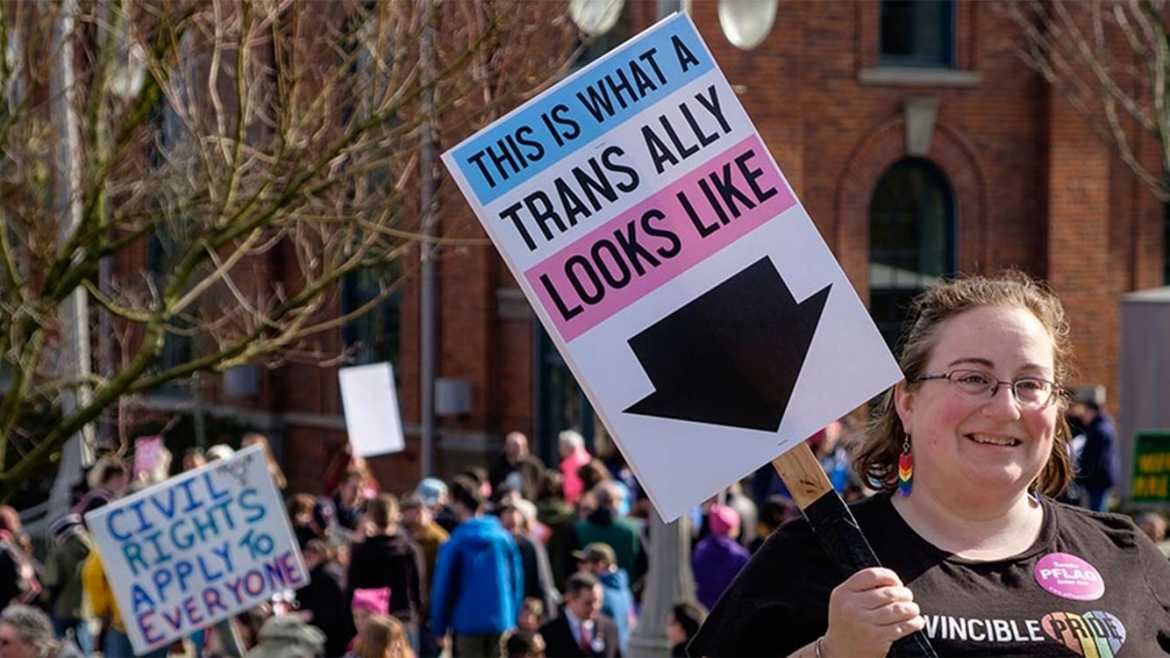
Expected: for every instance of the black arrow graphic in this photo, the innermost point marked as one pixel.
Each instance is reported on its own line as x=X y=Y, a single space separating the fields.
x=731 y=356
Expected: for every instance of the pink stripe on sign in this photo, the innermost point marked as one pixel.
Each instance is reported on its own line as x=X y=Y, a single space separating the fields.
x=646 y=246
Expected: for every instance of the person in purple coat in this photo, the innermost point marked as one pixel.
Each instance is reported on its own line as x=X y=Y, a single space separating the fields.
x=718 y=557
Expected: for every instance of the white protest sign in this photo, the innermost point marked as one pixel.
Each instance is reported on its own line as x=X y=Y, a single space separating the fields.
x=197 y=548
x=371 y=409
x=672 y=265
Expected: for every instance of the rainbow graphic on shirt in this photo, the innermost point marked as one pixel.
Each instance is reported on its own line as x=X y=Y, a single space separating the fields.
x=1092 y=634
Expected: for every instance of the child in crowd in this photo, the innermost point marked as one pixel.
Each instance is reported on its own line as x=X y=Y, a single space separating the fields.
x=531 y=614
x=521 y=643
x=381 y=636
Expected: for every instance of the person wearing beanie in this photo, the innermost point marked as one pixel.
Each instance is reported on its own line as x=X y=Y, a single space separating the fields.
x=718 y=557
x=288 y=636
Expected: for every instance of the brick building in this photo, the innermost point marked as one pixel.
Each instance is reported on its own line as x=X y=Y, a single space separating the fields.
x=918 y=141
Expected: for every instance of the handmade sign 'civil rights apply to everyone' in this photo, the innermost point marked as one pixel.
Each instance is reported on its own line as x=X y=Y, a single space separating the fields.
x=672 y=265
x=197 y=548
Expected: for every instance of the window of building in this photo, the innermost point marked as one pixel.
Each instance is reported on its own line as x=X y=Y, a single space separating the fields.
x=917 y=33
x=561 y=405
x=178 y=344
x=911 y=239
x=373 y=336
x=171 y=235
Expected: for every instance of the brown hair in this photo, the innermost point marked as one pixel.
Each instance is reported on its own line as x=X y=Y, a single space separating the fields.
x=299 y=504
x=383 y=510
x=593 y=473
x=382 y=637
x=520 y=643
x=875 y=457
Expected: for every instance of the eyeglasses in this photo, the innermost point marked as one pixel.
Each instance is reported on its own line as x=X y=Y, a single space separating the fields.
x=1030 y=392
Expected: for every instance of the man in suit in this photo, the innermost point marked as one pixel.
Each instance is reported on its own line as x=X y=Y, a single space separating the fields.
x=581 y=630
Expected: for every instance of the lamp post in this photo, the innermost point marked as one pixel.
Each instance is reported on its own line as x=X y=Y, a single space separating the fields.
x=669 y=581
x=746 y=23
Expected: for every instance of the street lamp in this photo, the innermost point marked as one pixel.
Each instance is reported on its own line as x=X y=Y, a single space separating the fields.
x=595 y=17
x=746 y=23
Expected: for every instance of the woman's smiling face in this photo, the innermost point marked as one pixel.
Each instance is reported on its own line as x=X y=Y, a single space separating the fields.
x=976 y=446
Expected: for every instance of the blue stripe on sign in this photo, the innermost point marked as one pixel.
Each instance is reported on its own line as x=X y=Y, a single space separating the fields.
x=592 y=102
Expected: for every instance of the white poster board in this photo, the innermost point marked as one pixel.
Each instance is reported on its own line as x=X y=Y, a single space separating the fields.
x=672 y=265
x=371 y=409
x=197 y=548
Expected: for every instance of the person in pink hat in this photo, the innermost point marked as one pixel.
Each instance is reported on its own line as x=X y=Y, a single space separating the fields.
x=718 y=557
x=365 y=604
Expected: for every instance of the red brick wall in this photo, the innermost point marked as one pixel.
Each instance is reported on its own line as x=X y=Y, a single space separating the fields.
x=1035 y=190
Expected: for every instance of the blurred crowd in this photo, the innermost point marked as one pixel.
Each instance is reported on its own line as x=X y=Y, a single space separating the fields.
x=517 y=558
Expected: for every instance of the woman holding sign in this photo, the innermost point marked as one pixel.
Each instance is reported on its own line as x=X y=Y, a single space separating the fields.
x=967 y=452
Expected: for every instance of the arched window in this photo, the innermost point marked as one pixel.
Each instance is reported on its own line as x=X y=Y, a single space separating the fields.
x=911 y=239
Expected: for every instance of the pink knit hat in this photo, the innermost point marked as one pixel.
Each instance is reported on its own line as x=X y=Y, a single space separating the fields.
x=376 y=600
x=723 y=520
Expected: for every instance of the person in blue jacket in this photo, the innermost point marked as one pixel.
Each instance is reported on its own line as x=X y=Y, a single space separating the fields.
x=617 y=601
x=479 y=580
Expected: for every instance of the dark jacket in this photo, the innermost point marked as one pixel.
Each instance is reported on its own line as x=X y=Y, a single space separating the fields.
x=622 y=535
x=1097 y=466
x=393 y=561
x=538 y=580
x=324 y=597
x=560 y=517
x=560 y=643
x=528 y=472
x=67 y=554
x=10 y=589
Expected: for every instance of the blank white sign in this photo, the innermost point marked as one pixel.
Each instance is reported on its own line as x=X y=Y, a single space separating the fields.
x=371 y=409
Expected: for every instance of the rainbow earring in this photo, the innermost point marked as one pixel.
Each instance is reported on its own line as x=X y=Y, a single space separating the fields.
x=905 y=468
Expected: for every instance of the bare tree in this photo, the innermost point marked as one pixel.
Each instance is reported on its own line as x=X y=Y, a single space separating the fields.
x=214 y=134
x=1110 y=59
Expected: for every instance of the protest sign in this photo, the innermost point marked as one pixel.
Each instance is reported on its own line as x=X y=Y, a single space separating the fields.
x=197 y=548
x=148 y=455
x=672 y=265
x=1151 y=467
x=371 y=409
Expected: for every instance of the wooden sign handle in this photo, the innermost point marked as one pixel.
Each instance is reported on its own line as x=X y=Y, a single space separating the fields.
x=803 y=475
x=835 y=528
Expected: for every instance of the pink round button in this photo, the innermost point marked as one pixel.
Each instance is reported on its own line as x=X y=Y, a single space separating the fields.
x=1069 y=577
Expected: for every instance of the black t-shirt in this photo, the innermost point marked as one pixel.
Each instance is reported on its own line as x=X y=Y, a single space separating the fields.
x=1046 y=601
